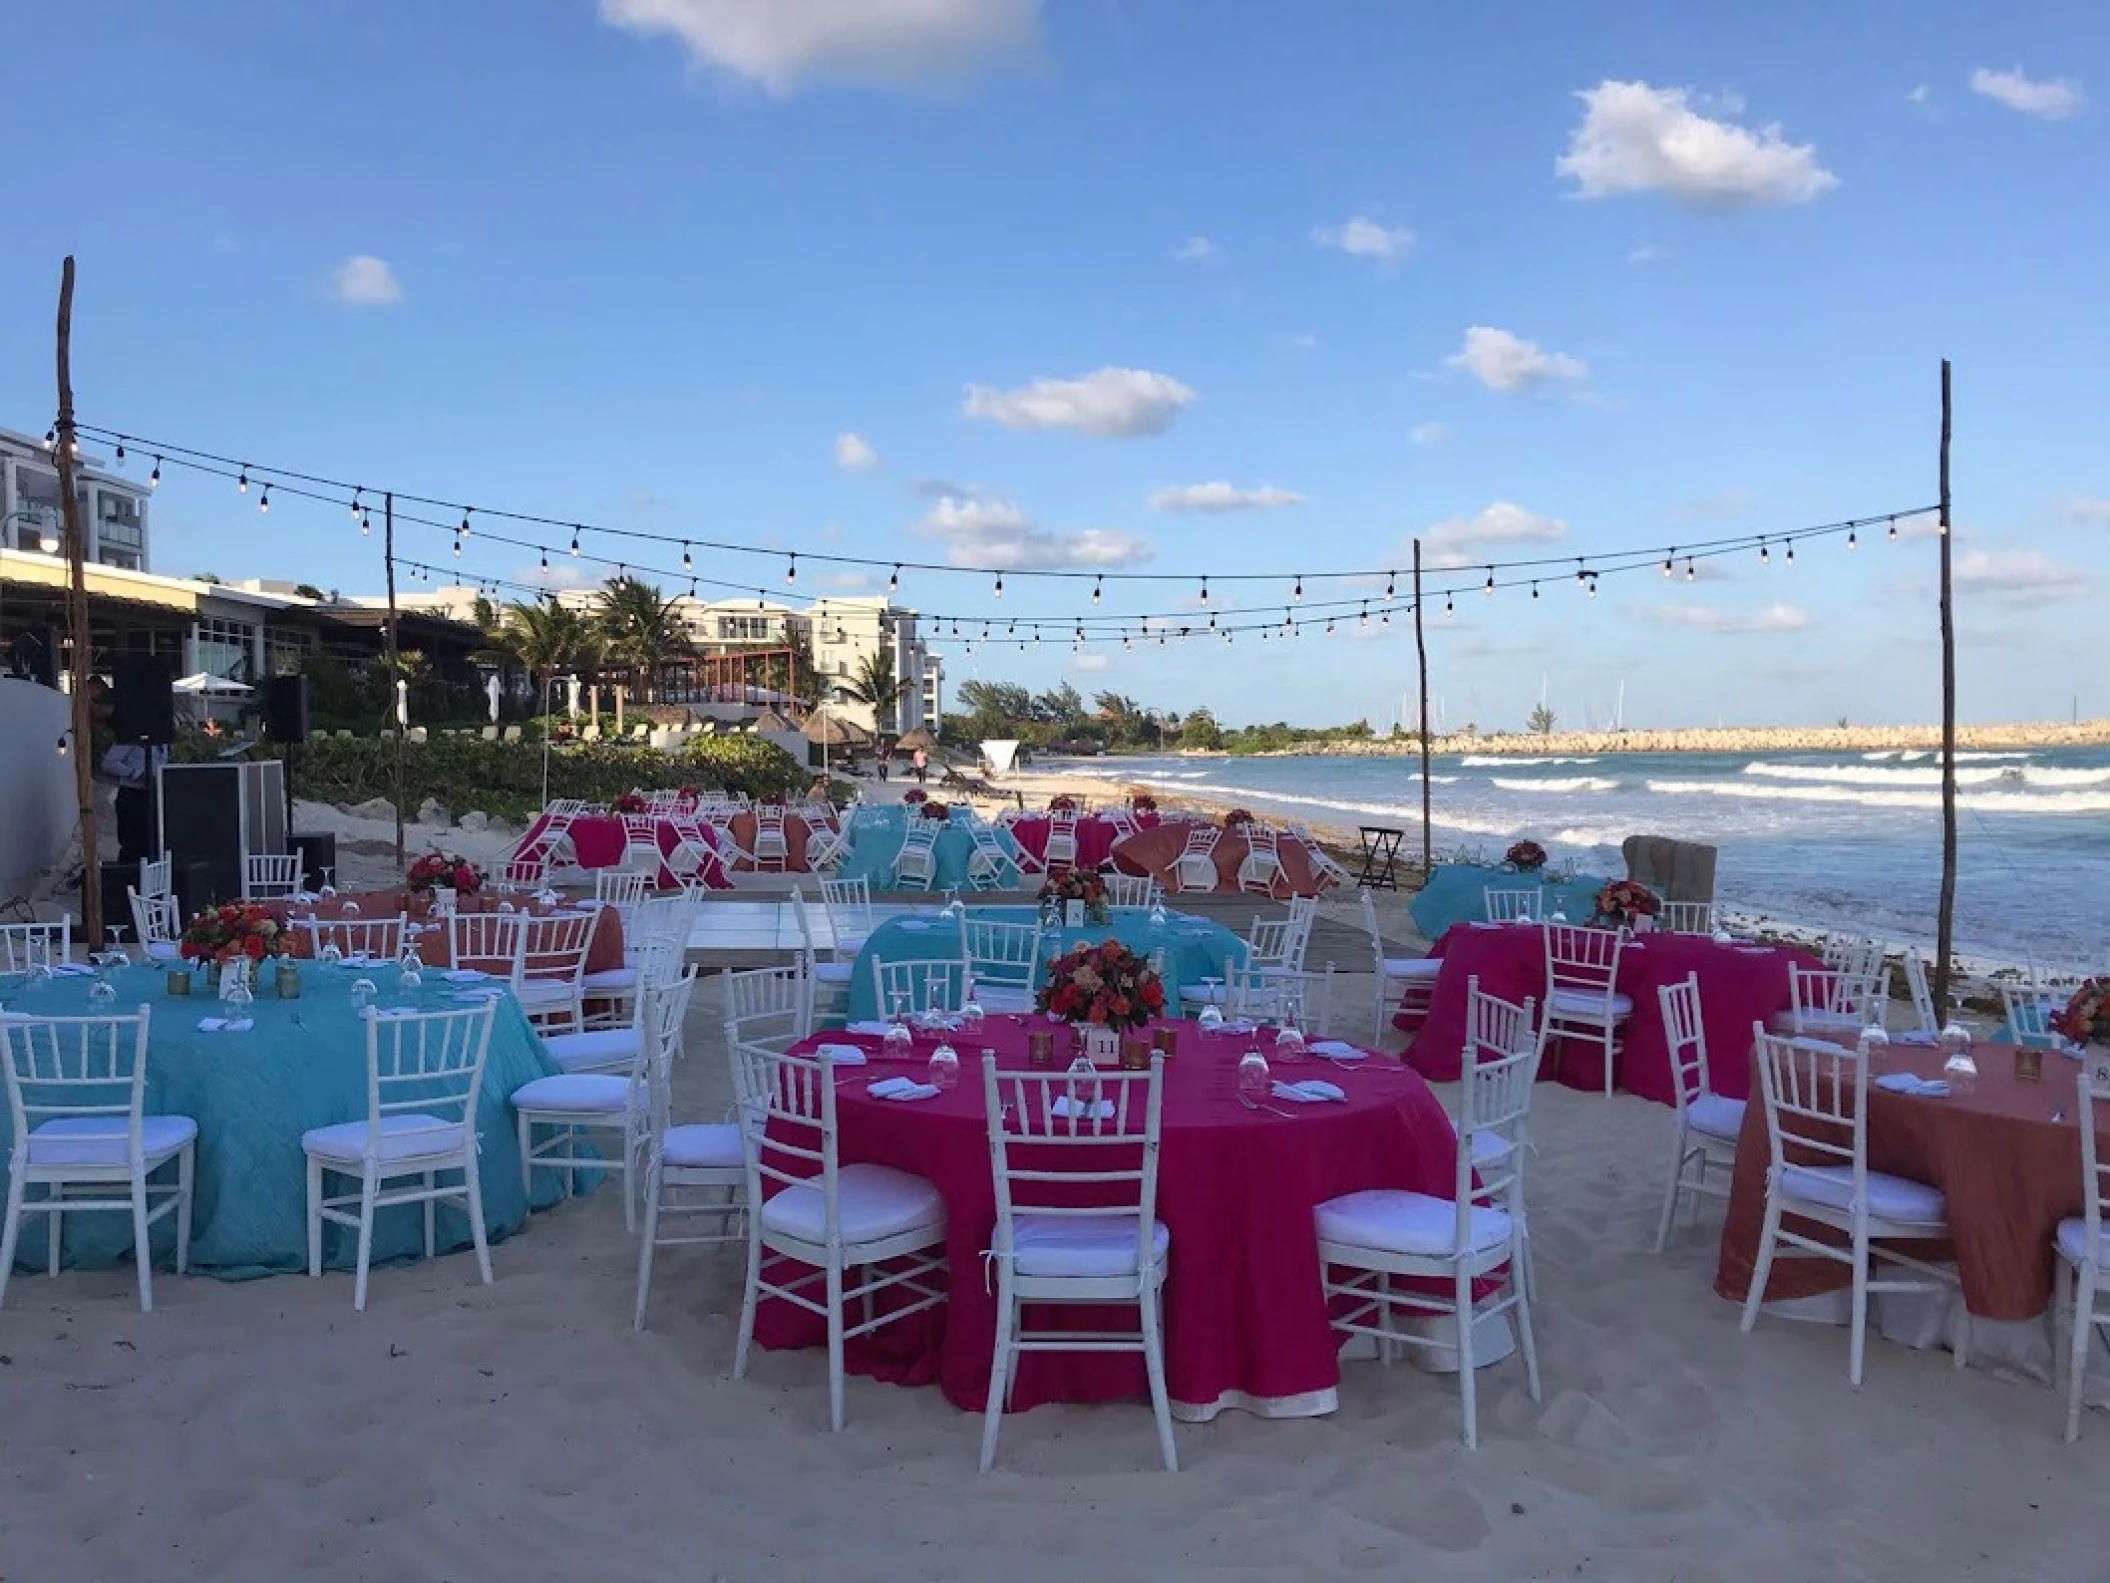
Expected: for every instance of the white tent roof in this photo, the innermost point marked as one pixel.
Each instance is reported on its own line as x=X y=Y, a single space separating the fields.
x=1001 y=756
x=209 y=685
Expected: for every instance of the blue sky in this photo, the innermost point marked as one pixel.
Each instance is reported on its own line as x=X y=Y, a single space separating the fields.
x=1518 y=279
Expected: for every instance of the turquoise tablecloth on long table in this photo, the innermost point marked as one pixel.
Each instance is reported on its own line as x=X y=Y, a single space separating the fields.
x=1453 y=895
x=875 y=842
x=252 y=1094
x=1194 y=948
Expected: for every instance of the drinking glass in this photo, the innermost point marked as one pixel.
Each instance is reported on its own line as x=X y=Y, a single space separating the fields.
x=899 y=1041
x=972 y=1015
x=363 y=993
x=1253 y=1079
x=408 y=977
x=944 y=1066
x=1210 y=1021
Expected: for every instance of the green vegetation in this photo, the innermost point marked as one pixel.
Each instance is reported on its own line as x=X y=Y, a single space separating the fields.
x=1117 y=723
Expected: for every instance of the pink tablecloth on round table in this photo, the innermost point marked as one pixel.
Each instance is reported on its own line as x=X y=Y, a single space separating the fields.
x=1095 y=838
x=598 y=841
x=1245 y=1322
x=1739 y=985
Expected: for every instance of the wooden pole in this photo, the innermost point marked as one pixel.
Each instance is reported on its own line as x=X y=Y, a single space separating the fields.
x=83 y=728
x=388 y=549
x=1945 y=916
x=1421 y=661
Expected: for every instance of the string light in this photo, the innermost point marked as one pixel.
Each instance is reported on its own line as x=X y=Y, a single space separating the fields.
x=575 y=541
x=999 y=593
x=1488 y=587
x=545 y=560
x=791 y=568
x=263 y=501
x=1447 y=610
x=1765 y=556
x=355 y=503
x=1096 y=582
x=120 y=453
x=1790 y=556
x=1691 y=571
x=1205 y=590
x=241 y=484
x=1391 y=578
x=466 y=530
x=893 y=583
x=366 y=529
x=1534 y=589
x=154 y=478
x=1668 y=556
x=1366 y=615
x=1297 y=593
x=1852 y=542
x=1329 y=626
x=1893 y=530
x=1593 y=588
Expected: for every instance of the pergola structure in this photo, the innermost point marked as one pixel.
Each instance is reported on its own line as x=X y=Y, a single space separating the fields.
x=739 y=676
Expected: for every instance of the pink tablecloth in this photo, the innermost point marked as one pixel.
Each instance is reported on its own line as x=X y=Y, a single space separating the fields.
x=1095 y=837
x=598 y=841
x=1738 y=985
x=1245 y=1322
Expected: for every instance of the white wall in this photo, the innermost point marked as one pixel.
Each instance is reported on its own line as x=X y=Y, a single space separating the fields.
x=37 y=811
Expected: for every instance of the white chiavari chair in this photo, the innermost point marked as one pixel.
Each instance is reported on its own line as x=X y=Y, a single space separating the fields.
x=1088 y=1129
x=772 y=851
x=1195 y=868
x=1003 y=963
x=1132 y=890
x=828 y=977
x=365 y=939
x=157 y=923
x=76 y=1090
x=1261 y=868
x=1523 y=904
x=2028 y=1011
x=1583 y=1002
x=29 y=947
x=1402 y=983
x=2081 y=1255
x=270 y=876
x=989 y=866
x=157 y=876
x=1686 y=917
x=550 y=983
x=916 y=864
x=1924 y=1019
x=424 y=1074
x=930 y=984
x=853 y=1231
x=1267 y=946
x=1061 y=850
x=1831 y=1001
x=1708 y=1124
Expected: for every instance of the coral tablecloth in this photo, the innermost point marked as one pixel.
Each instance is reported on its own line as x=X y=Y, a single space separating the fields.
x=2011 y=1174
x=1739 y=985
x=796 y=834
x=598 y=841
x=1245 y=1322
x=1155 y=852
x=603 y=951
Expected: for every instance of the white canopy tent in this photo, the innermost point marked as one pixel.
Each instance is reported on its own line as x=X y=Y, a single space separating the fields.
x=204 y=685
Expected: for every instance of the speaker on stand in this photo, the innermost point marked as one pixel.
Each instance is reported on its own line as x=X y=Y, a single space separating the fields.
x=286 y=721
x=142 y=715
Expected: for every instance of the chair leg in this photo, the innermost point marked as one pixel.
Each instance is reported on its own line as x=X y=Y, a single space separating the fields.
x=1154 y=1364
x=1523 y=1312
x=368 y=1186
x=629 y=1147
x=1670 y=1192
x=1000 y=1366
x=1756 y=1297
x=12 y=1235
x=142 y=1240
x=835 y=1345
x=750 y=1291
x=1611 y=1054
x=430 y=1242
x=1468 y=1386
x=2077 y=1350
x=473 y=1182
x=1857 y=1344
x=54 y=1230
x=314 y=1216
x=645 y=1243
x=186 y=1182
x=527 y=1167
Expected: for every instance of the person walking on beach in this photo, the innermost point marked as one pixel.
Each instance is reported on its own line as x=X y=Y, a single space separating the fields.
x=883 y=755
x=921 y=761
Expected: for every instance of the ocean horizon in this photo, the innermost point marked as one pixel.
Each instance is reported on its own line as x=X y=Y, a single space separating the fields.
x=1848 y=840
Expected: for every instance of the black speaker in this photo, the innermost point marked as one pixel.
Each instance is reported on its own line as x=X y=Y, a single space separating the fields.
x=286 y=709
x=318 y=853
x=143 y=703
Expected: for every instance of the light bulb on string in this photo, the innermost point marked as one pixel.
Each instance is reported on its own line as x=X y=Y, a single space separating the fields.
x=1765 y=556
x=1384 y=618
x=545 y=560
x=154 y=478
x=1691 y=571
x=575 y=541
x=1789 y=557
x=120 y=453
x=1448 y=609
x=999 y=591
x=457 y=547
x=366 y=527
x=1391 y=578
x=1297 y=593
x=1534 y=589
x=791 y=568
x=1669 y=555
x=1205 y=590
x=1329 y=626
x=263 y=501
x=1582 y=572
x=466 y=529
x=1488 y=587
x=688 y=562
x=1366 y=615
x=1852 y=542
x=355 y=503
x=1593 y=588
x=1096 y=581
x=241 y=483
x=1893 y=530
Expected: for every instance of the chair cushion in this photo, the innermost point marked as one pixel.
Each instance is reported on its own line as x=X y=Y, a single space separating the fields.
x=1393 y=1221
x=1889 y=1197
x=1816 y=1022
x=833 y=972
x=597 y=1092
x=1716 y=1116
x=1578 y=1003
x=103 y=1140
x=404 y=1137
x=611 y=981
x=546 y=992
x=2071 y=1239
x=1094 y=1246
x=597 y=1047
x=703 y=1145
x=874 y=1201
x=1003 y=999
x=1201 y=994
x=1413 y=966
x=849 y=944
x=1488 y=1147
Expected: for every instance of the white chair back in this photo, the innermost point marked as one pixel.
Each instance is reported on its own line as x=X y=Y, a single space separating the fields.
x=1506 y=906
x=765 y=1007
x=154 y=919
x=1282 y=994
x=2029 y=1011
x=1828 y=992
x=1303 y=913
x=1813 y=1092
x=916 y=864
x=1685 y=1031
x=1495 y=1088
x=1062 y=837
x=554 y=949
x=1495 y=1027
x=791 y=1098
x=427 y=1063
x=377 y=939
x=156 y=877
x=849 y=904
x=928 y=985
x=1132 y=890
x=641 y=841
x=1582 y=961
x=491 y=942
x=2094 y=1090
x=82 y=1069
x=1922 y=996
x=1195 y=868
x=620 y=887
x=1082 y=1128
x=1006 y=954
x=268 y=876
x=1686 y=917
x=28 y=947
x=663 y=1009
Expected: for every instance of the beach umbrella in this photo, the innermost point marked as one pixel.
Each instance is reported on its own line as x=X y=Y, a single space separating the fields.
x=770 y=720
x=205 y=685
x=830 y=731
x=918 y=738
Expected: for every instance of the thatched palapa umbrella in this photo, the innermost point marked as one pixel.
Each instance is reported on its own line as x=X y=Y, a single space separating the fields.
x=918 y=738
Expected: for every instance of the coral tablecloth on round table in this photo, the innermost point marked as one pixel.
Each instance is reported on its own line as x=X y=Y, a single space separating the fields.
x=796 y=835
x=1156 y=852
x=1245 y=1322
x=1739 y=985
x=603 y=951
x=2010 y=1172
x=599 y=841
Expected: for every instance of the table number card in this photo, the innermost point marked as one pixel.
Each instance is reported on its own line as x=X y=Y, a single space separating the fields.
x=1073 y=914
x=234 y=975
x=2098 y=1068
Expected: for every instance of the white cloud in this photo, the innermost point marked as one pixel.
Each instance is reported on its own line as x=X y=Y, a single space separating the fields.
x=1091 y=660
x=1504 y=361
x=1646 y=253
x=988 y=530
x=2028 y=576
x=1363 y=237
x=1429 y=433
x=1457 y=541
x=1705 y=618
x=2092 y=511
x=1221 y=496
x=1305 y=341
x=781 y=43
x=854 y=453
x=1108 y=401
x=1921 y=95
x=2055 y=100
x=1195 y=250
x=1635 y=138
x=364 y=281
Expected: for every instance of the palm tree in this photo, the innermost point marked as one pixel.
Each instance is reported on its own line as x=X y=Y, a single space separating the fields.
x=550 y=637
x=874 y=684
x=641 y=627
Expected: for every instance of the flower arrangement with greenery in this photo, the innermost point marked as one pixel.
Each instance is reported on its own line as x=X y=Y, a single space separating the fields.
x=219 y=934
x=915 y=795
x=1075 y=884
x=629 y=802
x=444 y=869
x=1142 y=802
x=1106 y=984
x=1238 y=819
x=1526 y=857
x=936 y=810
x=1621 y=901
x=2086 y=1018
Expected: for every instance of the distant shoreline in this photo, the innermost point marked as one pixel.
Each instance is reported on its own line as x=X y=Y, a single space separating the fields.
x=2033 y=735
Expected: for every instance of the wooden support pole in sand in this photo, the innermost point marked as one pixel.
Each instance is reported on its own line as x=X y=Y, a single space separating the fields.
x=1421 y=662
x=1945 y=915
x=83 y=729
x=395 y=673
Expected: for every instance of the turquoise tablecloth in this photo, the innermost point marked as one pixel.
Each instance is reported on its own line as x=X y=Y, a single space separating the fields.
x=1194 y=948
x=875 y=841
x=253 y=1094
x=1453 y=896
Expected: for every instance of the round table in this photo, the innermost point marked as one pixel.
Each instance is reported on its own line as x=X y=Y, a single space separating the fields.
x=1456 y=893
x=600 y=841
x=1194 y=948
x=1156 y=852
x=253 y=1094
x=1739 y=985
x=1245 y=1322
x=1095 y=836
x=604 y=949
x=875 y=843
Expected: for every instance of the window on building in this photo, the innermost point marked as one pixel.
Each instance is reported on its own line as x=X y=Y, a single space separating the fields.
x=745 y=629
x=120 y=530
x=224 y=647
x=286 y=649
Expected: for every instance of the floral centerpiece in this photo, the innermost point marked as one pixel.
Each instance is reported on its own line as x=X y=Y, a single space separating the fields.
x=2086 y=1018
x=1142 y=802
x=1626 y=902
x=1057 y=891
x=219 y=934
x=914 y=795
x=629 y=802
x=1064 y=804
x=935 y=810
x=1526 y=857
x=1102 y=986
x=689 y=794
x=443 y=871
x=1237 y=819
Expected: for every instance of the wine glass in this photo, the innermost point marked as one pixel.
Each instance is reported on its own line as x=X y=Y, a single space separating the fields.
x=1955 y=1042
x=1254 y=1083
x=332 y=953
x=972 y=1014
x=408 y=977
x=1211 y=1020
x=350 y=909
x=944 y=1066
x=899 y=1041
x=363 y=993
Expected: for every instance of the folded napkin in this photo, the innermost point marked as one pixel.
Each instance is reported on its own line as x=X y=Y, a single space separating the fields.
x=71 y=970
x=841 y=1054
x=1926 y=1041
x=1908 y=1083
x=1312 y=1091
x=876 y=1030
x=1066 y=1108
x=1336 y=1050
x=902 y=1088
x=225 y=1024
x=360 y=959
x=478 y=996
x=913 y=925
x=1478 y=923
x=464 y=975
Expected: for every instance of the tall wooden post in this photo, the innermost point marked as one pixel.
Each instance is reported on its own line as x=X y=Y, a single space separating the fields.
x=1945 y=916
x=395 y=672
x=1421 y=661
x=83 y=729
